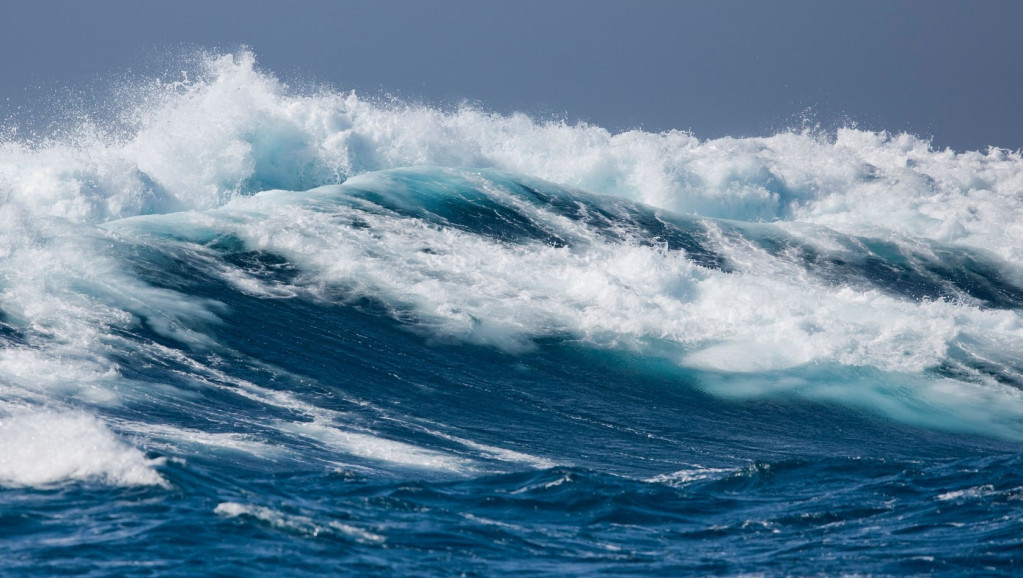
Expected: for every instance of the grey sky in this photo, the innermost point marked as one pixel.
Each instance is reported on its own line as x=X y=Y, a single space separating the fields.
x=935 y=68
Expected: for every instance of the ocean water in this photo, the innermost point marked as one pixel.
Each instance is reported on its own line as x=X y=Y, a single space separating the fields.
x=247 y=329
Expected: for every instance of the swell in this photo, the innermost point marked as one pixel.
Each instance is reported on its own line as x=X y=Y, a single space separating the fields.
x=859 y=269
x=921 y=331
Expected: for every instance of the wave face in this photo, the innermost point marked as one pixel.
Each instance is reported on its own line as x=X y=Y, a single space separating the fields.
x=243 y=327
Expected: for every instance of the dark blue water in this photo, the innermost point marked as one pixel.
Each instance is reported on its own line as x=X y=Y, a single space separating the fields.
x=777 y=487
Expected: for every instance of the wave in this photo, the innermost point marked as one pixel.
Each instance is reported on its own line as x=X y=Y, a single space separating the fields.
x=863 y=269
x=925 y=332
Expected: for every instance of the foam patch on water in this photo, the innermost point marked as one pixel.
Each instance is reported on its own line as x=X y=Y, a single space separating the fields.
x=497 y=453
x=689 y=475
x=974 y=493
x=43 y=448
x=382 y=450
x=296 y=522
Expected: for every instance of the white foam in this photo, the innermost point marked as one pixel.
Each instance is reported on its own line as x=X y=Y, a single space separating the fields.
x=969 y=493
x=296 y=522
x=498 y=453
x=230 y=129
x=380 y=449
x=44 y=448
x=689 y=475
x=64 y=287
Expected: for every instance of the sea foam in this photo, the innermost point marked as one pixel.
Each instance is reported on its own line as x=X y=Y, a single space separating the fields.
x=230 y=129
x=44 y=448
